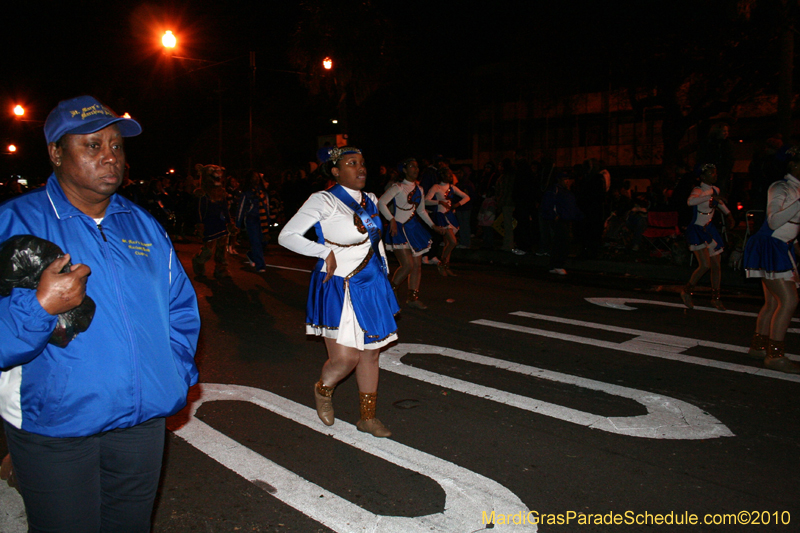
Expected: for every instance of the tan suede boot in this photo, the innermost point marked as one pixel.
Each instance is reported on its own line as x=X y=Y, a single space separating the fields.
x=323 y=398
x=776 y=360
x=368 y=423
x=414 y=301
x=715 y=301
x=758 y=347
x=686 y=296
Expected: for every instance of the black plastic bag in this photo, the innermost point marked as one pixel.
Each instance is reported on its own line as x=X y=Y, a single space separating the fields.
x=23 y=258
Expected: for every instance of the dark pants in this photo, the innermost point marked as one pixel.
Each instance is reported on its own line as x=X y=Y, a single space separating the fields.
x=255 y=235
x=559 y=231
x=523 y=234
x=105 y=482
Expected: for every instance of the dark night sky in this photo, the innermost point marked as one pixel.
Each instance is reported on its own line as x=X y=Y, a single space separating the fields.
x=56 y=50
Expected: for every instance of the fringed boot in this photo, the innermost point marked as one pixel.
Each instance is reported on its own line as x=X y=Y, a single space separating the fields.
x=324 y=398
x=414 y=301
x=758 y=346
x=368 y=423
x=686 y=295
x=715 y=301
x=776 y=360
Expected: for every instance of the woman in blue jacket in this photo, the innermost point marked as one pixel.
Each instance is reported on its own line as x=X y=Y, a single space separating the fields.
x=85 y=423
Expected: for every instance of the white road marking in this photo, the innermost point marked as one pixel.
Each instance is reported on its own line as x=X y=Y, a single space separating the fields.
x=289 y=268
x=620 y=303
x=666 y=418
x=467 y=494
x=646 y=343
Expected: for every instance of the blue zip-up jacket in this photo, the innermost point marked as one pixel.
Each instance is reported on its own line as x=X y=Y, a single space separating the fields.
x=136 y=360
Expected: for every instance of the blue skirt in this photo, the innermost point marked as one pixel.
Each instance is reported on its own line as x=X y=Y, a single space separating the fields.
x=767 y=254
x=700 y=237
x=373 y=300
x=446 y=219
x=409 y=235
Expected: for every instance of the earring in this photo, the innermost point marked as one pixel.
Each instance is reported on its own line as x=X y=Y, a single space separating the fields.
x=58 y=163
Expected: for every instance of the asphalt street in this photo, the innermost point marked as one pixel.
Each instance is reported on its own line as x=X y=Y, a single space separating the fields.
x=593 y=401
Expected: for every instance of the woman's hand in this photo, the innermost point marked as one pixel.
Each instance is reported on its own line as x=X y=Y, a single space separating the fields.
x=330 y=266
x=445 y=203
x=393 y=227
x=58 y=293
x=441 y=230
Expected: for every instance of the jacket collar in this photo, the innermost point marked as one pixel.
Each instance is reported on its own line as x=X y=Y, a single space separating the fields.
x=64 y=209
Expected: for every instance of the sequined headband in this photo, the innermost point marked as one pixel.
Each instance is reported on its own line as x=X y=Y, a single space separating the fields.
x=337 y=152
x=707 y=166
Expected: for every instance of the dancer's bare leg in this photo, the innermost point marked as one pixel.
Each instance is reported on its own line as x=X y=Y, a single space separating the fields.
x=403 y=255
x=449 y=245
x=786 y=293
x=341 y=361
x=367 y=370
x=767 y=311
x=415 y=277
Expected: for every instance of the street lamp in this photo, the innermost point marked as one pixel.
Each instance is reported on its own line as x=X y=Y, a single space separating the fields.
x=327 y=63
x=19 y=110
x=12 y=148
x=169 y=40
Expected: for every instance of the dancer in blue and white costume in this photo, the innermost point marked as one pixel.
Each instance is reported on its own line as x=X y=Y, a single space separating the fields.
x=703 y=238
x=441 y=195
x=351 y=303
x=770 y=255
x=403 y=206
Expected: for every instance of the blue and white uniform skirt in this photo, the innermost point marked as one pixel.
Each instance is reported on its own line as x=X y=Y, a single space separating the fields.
x=410 y=235
x=707 y=236
x=357 y=312
x=768 y=257
x=448 y=219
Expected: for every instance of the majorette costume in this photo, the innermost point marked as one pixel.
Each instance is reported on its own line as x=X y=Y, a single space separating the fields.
x=701 y=232
x=407 y=208
x=770 y=252
x=357 y=305
x=443 y=216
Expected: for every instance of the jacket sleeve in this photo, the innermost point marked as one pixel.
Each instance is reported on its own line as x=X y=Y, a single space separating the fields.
x=386 y=197
x=292 y=236
x=184 y=320
x=779 y=210
x=698 y=196
x=25 y=328
x=464 y=196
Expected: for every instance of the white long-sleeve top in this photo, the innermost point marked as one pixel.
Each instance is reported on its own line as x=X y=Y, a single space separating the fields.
x=438 y=192
x=701 y=199
x=401 y=194
x=339 y=228
x=783 y=209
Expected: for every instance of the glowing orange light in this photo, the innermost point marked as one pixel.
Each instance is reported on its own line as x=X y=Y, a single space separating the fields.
x=739 y=206
x=169 y=40
x=327 y=63
x=12 y=148
x=126 y=115
x=19 y=110
x=172 y=171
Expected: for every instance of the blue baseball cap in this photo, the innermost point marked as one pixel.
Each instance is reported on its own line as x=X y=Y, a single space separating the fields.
x=85 y=114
